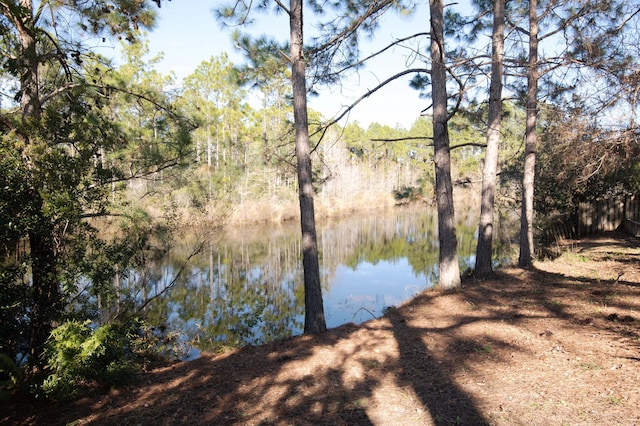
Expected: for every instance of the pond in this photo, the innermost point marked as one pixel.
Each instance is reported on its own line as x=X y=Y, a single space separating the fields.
x=246 y=286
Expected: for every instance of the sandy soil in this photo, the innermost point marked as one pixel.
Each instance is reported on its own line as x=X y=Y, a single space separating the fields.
x=553 y=346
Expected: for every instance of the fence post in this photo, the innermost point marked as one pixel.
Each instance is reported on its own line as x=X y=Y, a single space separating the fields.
x=584 y=219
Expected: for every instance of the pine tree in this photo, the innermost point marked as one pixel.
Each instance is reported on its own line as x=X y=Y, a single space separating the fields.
x=485 y=230
x=57 y=137
x=448 y=260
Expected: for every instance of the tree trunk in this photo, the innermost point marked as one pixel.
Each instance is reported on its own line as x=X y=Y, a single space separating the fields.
x=44 y=309
x=448 y=261
x=45 y=306
x=314 y=321
x=28 y=62
x=526 y=218
x=209 y=148
x=484 y=249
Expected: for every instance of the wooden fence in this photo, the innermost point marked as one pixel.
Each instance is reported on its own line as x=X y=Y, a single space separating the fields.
x=600 y=216
x=609 y=215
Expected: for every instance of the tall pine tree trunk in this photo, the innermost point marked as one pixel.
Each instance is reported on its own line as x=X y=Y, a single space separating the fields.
x=314 y=321
x=526 y=218
x=484 y=249
x=448 y=260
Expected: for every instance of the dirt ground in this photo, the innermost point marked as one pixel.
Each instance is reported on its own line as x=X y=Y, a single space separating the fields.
x=558 y=345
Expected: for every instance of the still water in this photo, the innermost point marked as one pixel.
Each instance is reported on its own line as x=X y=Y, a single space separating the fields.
x=246 y=286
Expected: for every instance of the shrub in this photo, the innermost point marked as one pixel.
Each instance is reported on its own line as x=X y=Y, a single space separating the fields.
x=82 y=357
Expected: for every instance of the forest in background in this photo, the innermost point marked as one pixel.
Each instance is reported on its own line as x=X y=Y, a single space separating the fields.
x=240 y=167
x=101 y=166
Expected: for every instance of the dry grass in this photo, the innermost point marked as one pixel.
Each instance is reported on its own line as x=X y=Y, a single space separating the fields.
x=274 y=210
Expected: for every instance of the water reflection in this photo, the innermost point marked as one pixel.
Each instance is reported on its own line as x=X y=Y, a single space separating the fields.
x=246 y=287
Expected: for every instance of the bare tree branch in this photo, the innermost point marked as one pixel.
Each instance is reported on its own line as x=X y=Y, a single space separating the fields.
x=381 y=51
x=373 y=9
x=283 y=7
x=370 y=92
x=407 y=138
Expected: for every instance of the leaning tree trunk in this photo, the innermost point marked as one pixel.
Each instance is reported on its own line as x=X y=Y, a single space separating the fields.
x=448 y=261
x=314 y=321
x=484 y=249
x=526 y=218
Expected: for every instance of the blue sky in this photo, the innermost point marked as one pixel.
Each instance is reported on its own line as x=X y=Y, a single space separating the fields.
x=188 y=33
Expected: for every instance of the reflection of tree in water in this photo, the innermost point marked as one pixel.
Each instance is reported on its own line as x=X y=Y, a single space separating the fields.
x=374 y=238
x=247 y=288
x=237 y=293
x=408 y=233
x=403 y=235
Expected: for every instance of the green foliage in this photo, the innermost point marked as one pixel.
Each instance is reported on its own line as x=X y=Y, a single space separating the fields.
x=407 y=194
x=73 y=132
x=82 y=357
x=16 y=219
x=10 y=376
x=14 y=299
x=213 y=96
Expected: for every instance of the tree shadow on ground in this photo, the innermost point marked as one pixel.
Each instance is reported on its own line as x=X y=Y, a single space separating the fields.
x=334 y=378
x=430 y=379
x=418 y=365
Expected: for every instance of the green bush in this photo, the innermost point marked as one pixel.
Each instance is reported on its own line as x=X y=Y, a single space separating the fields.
x=82 y=358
